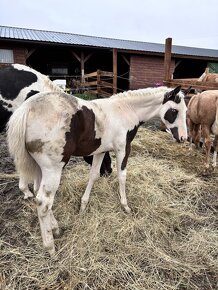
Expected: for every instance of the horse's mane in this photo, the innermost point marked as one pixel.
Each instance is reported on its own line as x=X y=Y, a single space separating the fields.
x=140 y=92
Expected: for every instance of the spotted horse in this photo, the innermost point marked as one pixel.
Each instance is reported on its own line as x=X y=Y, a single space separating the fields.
x=72 y=126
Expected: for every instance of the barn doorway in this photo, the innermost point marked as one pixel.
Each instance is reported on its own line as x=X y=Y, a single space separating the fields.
x=189 y=68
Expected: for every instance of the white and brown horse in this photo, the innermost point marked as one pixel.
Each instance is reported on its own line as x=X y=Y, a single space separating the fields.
x=50 y=127
x=202 y=116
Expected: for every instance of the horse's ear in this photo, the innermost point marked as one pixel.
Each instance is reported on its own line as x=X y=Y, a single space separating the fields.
x=176 y=90
x=186 y=91
x=170 y=96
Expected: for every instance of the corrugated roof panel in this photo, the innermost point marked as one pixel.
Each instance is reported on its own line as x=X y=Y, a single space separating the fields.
x=84 y=40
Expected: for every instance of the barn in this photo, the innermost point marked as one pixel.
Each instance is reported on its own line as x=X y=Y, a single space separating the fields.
x=96 y=61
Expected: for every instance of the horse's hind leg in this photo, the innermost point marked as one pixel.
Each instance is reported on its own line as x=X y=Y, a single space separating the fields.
x=44 y=199
x=23 y=186
x=195 y=134
x=215 y=146
x=121 y=158
x=207 y=144
x=93 y=175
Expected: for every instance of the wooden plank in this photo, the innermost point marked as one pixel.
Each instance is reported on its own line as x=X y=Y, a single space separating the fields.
x=167 y=59
x=195 y=85
x=75 y=55
x=93 y=74
x=89 y=84
x=98 y=81
x=106 y=84
x=106 y=73
x=114 y=70
x=104 y=93
x=82 y=64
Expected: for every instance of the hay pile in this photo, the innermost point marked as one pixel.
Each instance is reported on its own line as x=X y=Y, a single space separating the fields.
x=169 y=241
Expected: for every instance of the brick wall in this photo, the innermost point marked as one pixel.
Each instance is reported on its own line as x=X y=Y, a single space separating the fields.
x=146 y=71
x=19 y=55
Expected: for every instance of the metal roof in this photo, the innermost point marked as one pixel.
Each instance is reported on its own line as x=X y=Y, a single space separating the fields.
x=25 y=34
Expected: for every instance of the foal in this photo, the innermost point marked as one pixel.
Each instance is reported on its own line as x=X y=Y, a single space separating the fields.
x=50 y=127
x=202 y=118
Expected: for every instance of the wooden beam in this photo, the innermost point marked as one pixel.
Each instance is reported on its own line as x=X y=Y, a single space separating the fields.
x=126 y=60
x=114 y=70
x=28 y=54
x=75 y=55
x=195 y=84
x=93 y=74
x=167 y=59
x=88 y=57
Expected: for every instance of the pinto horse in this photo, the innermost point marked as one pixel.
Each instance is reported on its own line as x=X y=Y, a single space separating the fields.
x=202 y=116
x=50 y=127
x=18 y=83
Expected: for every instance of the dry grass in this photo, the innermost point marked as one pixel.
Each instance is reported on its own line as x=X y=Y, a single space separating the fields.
x=169 y=241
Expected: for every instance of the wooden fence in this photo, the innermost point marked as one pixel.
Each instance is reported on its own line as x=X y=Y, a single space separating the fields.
x=185 y=83
x=99 y=83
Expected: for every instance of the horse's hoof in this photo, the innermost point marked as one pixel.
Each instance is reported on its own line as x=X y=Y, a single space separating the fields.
x=57 y=232
x=28 y=195
x=127 y=209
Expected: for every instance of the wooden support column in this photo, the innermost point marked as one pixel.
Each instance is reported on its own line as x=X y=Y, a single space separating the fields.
x=82 y=59
x=82 y=67
x=167 y=59
x=98 y=82
x=114 y=70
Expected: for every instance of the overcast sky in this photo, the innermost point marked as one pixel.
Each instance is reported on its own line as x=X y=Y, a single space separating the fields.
x=188 y=22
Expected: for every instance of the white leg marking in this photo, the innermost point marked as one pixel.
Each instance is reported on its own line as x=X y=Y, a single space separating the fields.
x=214 y=158
x=122 y=180
x=93 y=175
x=23 y=186
x=44 y=199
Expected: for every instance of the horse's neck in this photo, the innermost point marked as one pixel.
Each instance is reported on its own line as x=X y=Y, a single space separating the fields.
x=146 y=106
x=49 y=85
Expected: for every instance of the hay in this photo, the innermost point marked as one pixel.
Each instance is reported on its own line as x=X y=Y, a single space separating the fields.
x=169 y=241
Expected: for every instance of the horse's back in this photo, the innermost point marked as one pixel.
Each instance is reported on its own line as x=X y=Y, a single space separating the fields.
x=202 y=107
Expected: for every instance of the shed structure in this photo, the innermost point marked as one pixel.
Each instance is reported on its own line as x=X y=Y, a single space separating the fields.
x=69 y=56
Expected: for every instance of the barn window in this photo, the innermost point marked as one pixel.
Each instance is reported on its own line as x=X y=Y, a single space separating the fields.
x=59 y=70
x=6 y=56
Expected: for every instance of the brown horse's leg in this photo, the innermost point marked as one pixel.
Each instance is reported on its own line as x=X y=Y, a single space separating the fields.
x=195 y=133
x=215 y=146
x=207 y=143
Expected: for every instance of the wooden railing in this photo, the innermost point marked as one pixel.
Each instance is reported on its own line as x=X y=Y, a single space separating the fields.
x=185 y=83
x=99 y=83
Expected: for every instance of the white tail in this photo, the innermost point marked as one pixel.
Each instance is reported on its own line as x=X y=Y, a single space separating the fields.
x=16 y=133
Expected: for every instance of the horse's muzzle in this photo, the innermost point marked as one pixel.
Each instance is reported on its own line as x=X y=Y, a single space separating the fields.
x=176 y=136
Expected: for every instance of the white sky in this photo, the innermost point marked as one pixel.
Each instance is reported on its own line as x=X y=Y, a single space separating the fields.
x=188 y=22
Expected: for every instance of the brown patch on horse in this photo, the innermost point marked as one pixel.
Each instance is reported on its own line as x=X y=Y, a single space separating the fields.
x=81 y=139
x=129 y=137
x=35 y=146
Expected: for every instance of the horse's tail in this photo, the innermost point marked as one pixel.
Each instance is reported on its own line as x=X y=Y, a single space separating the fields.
x=214 y=127
x=16 y=137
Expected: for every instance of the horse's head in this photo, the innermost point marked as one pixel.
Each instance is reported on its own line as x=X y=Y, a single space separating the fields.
x=173 y=113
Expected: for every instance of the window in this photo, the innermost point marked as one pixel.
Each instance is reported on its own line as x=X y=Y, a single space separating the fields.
x=6 y=56
x=59 y=70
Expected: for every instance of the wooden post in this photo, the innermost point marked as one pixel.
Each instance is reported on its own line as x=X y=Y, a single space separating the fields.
x=82 y=62
x=167 y=59
x=98 y=82
x=114 y=70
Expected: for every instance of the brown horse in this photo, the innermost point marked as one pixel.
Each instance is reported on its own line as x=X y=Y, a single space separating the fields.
x=208 y=77
x=202 y=116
